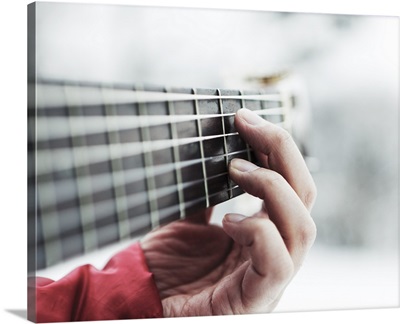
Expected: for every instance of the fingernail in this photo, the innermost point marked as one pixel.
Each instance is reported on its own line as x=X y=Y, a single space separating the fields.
x=234 y=218
x=250 y=117
x=243 y=165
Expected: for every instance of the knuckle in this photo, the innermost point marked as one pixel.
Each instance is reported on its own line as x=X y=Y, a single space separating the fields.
x=310 y=196
x=266 y=179
x=282 y=137
x=259 y=231
x=272 y=178
x=308 y=233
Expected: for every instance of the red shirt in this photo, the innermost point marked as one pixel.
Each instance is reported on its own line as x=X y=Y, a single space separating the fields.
x=123 y=289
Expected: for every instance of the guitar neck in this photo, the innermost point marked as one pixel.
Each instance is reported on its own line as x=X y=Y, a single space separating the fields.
x=114 y=161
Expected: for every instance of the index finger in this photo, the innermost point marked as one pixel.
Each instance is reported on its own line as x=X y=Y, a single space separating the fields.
x=278 y=148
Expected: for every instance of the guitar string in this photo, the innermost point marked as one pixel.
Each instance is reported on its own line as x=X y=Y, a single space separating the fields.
x=104 y=206
x=101 y=181
x=57 y=126
x=143 y=97
x=105 y=210
x=175 y=164
x=134 y=200
x=48 y=96
x=96 y=153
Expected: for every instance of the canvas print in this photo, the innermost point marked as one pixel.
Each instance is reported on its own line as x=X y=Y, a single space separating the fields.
x=199 y=162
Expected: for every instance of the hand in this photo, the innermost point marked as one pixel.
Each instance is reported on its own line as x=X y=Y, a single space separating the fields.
x=245 y=266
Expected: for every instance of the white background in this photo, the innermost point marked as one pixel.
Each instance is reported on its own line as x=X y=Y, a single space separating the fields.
x=13 y=156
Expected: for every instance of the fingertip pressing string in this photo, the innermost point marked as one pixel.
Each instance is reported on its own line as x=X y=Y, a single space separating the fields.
x=250 y=117
x=243 y=165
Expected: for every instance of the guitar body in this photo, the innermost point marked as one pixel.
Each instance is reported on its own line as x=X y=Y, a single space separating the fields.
x=110 y=162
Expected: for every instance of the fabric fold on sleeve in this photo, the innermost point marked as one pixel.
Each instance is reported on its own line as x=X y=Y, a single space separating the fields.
x=123 y=289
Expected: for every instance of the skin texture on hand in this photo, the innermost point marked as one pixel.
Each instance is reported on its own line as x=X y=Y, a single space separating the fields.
x=244 y=267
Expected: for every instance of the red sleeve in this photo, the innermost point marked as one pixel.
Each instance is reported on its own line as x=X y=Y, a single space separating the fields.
x=123 y=289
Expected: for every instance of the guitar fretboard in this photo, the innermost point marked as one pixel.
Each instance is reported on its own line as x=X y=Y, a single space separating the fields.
x=113 y=162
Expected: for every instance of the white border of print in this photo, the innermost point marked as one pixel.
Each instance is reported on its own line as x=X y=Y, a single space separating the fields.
x=13 y=154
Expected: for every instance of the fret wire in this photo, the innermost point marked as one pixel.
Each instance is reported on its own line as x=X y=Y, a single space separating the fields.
x=90 y=96
x=221 y=110
x=129 y=122
x=148 y=161
x=117 y=170
x=90 y=241
x=247 y=145
x=130 y=176
x=178 y=172
x=203 y=164
x=38 y=226
x=51 y=250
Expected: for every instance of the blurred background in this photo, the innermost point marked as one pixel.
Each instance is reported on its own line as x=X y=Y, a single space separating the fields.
x=344 y=67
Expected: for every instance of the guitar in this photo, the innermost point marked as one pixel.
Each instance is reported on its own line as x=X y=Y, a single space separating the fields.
x=107 y=162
